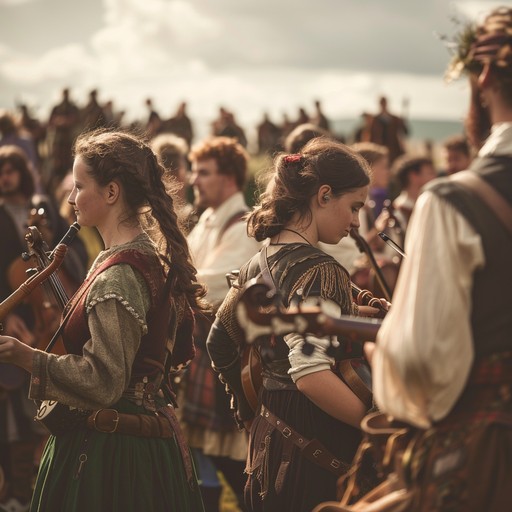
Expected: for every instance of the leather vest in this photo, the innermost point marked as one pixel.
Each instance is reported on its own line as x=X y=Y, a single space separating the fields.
x=490 y=315
x=151 y=354
x=286 y=267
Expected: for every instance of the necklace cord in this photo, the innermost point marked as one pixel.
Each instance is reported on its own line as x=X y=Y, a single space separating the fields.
x=298 y=234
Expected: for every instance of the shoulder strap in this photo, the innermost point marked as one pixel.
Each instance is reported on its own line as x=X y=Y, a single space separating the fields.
x=488 y=194
x=265 y=271
x=121 y=257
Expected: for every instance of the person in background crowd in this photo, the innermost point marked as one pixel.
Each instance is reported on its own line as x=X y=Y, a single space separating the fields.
x=179 y=124
x=457 y=155
x=63 y=127
x=377 y=217
x=35 y=129
x=226 y=126
x=319 y=118
x=92 y=114
x=172 y=151
x=443 y=354
x=269 y=136
x=153 y=123
x=218 y=244
x=302 y=134
x=411 y=173
x=388 y=130
x=11 y=135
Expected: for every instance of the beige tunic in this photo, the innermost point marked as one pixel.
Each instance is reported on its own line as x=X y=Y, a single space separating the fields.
x=116 y=308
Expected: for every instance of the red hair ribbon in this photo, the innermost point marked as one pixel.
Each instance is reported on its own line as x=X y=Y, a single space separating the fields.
x=296 y=157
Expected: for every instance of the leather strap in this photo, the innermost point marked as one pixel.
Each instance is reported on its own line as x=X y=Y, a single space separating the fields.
x=164 y=425
x=110 y=421
x=312 y=449
x=359 y=383
x=169 y=413
x=265 y=271
x=488 y=194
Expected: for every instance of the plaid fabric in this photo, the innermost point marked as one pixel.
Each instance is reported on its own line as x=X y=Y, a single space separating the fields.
x=206 y=403
x=494 y=369
x=463 y=462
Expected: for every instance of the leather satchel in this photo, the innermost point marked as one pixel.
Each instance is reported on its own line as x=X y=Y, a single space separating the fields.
x=389 y=444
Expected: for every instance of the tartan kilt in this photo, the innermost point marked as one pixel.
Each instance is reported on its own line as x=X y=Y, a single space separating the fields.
x=464 y=462
x=206 y=403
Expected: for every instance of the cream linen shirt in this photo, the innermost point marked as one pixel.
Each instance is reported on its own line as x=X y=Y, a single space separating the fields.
x=214 y=258
x=424 y=349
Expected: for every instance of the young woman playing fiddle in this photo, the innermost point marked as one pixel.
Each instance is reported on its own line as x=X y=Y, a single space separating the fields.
x=314 y=195
x=124 y=451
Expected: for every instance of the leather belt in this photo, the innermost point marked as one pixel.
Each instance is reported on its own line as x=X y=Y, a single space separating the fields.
x=110 y=421
x=313 y=450
x=164 y=425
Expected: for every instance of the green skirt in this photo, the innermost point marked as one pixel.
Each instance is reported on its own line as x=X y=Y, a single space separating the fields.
x=86 y=470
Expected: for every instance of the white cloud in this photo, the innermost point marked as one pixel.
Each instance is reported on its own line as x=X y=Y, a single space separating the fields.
x=8 y=3
x=476 y=10
x=250 y=57
x=58 y=64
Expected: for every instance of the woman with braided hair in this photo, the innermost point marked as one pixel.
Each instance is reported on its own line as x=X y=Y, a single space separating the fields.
x=314 y=195
x=124 y=330
x=446 y=369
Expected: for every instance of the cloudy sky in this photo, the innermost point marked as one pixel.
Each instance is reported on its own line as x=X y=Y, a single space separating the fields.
x=247 y=55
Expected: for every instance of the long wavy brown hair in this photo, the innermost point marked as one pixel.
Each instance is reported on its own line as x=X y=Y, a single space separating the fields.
x=148 y=190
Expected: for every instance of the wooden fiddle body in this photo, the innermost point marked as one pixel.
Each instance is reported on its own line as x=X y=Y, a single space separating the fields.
x=47 y=301
x=11 y=376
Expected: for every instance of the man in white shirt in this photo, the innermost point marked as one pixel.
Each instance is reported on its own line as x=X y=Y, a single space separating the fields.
x=443 y=355
x=218 y=245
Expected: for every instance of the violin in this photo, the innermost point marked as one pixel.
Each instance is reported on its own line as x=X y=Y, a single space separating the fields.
x=383 y=285
x=11 y=376
x=258 y=318
x=47 y=301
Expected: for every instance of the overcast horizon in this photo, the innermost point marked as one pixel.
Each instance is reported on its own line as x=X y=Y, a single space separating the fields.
x=251 y=57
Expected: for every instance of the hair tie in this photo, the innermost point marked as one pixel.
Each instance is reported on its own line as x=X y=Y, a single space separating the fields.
x=296 y=157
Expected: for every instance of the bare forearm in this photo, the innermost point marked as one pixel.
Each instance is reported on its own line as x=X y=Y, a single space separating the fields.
x=333 y=396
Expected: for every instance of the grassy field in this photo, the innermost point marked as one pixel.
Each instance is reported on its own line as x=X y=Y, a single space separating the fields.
x=228 y=502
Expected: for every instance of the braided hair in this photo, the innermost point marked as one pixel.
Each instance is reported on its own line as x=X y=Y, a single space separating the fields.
x=147 y=188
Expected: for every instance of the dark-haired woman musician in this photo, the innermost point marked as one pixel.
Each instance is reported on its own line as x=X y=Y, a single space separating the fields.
x=314 y=196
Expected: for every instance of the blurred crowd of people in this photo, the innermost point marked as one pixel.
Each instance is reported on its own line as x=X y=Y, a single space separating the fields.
x=211 y=175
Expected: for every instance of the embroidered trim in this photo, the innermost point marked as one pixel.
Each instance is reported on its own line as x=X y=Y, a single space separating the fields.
x=123 y=302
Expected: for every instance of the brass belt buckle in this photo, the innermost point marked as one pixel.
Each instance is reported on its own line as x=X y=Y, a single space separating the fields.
x=116 y=421
x=286 y=432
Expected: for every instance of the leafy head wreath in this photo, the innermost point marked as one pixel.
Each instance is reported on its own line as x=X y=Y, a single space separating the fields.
x=479 y=44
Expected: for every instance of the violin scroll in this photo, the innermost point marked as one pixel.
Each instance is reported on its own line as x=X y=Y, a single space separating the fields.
x=32 y=282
